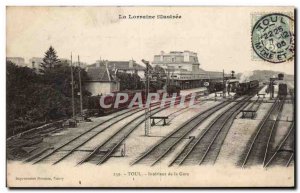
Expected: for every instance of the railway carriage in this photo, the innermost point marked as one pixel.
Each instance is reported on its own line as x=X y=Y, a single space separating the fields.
x=242 y=88
x=246 y=87
x=94 y=108
x=254 y=84
x=215 y=86
x=173 y=89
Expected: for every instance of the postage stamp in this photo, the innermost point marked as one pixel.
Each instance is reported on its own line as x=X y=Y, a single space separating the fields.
x=273 y=37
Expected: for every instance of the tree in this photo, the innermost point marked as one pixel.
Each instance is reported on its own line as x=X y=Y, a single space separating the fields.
x=124 y=79
x=136 y=80
x=34 y=99
x=50 y=60
x=129 y=81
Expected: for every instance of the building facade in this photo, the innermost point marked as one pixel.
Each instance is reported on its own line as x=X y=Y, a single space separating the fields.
x=185 y=60
x=182 y=68
x=101 y=81
x=35 y=63
x=19 y=61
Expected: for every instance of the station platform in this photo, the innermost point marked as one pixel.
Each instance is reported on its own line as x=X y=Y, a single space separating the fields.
x=268 y=95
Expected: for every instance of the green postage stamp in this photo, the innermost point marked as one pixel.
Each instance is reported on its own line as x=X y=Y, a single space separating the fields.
x=273 y=37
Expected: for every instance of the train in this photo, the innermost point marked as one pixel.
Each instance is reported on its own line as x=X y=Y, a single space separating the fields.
x=215 y=86
x=245 y=87
x=173 y=89
x=94 y=108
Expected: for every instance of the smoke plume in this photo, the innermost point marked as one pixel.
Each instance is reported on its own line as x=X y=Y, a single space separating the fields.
x=245 y=77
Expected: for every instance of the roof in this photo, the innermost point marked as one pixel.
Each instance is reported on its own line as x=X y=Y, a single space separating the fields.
x=202 y=71
x=100 y=74
x=124 y=65
x=121 y=65
x=211 y=74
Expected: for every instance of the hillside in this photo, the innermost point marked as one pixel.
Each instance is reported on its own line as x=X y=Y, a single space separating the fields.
x=262 y=75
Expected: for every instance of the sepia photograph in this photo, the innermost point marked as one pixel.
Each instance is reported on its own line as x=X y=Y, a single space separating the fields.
x=150 y=96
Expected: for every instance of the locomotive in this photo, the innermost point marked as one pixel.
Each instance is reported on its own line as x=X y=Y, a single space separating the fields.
x=246 y=87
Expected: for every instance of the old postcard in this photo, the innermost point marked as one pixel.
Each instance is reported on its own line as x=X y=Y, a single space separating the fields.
x=150 y=96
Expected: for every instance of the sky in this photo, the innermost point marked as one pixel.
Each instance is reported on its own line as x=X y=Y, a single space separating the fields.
x=220 y=36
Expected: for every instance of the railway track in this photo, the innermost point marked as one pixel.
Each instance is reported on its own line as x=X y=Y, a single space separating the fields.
x=101 y=153
x=84 y=137
x=163 y=147
x=257 y=153
x=284 y=153
x=173 y=115
x=205 y=148
x=256 y=104
x=57 y=154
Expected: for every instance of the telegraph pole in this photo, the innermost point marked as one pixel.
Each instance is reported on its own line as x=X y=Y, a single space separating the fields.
x=79 y=74
x=72 y=83
x=147 y=110
x=224 y=85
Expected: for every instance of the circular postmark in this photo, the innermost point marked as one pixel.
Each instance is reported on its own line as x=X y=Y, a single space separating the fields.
x=273 y=38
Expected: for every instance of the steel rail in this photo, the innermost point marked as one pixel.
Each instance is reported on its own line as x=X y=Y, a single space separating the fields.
x=140 y=122
x=204 y=133
x=258 y=131
x=290 y=160
x=271 y=132
x=217 y=134
x=96 y=126
x=280 y=145
x=175 y=131
x=121 y=129
x=178 y=140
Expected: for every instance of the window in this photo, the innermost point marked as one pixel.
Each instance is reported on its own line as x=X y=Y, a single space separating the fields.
x=173 y=59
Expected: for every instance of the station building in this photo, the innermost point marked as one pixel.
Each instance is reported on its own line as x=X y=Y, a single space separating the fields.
x=183 y=69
